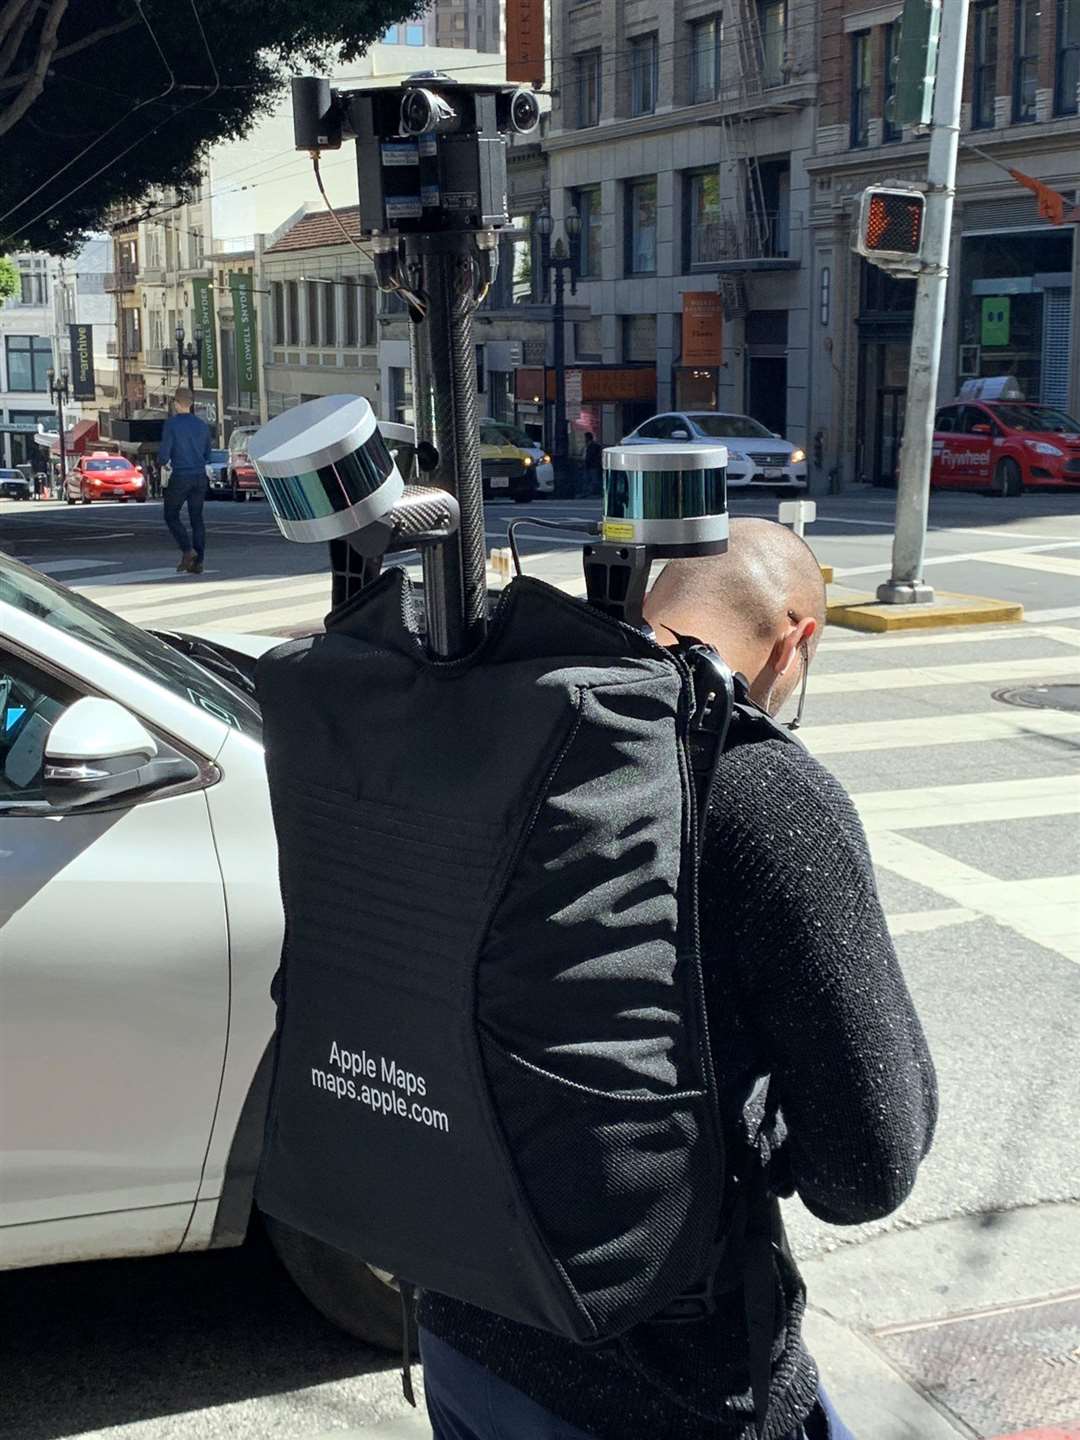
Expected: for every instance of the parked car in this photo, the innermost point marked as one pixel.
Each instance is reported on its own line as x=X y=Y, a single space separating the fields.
x=104 y=477
x=543 y=470
x=219 y=483
x=14 y=485
x=508 y=470
x=243 y=482
x=1005 y=446
x=140 y=927
x=756 y=456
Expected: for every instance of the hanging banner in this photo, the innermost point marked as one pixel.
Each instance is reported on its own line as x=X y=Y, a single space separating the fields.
x=203 y=296
x=525 y=41
x=244 y=323
x=702 y=328
x=82 y=362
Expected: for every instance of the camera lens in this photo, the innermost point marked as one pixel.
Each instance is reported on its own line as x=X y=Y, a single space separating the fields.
x=524 y=111
x=417 y=113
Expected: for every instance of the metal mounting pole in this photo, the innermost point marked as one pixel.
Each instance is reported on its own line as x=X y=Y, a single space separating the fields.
x=444 y=267
x=906 y=585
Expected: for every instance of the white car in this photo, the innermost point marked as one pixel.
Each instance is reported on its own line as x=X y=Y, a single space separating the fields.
x=140 y=928
x=756 y=456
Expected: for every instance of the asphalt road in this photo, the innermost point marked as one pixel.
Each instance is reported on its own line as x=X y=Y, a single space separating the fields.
x=972 y=811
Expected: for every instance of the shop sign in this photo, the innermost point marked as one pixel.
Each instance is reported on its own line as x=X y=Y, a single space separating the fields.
x=702 y=328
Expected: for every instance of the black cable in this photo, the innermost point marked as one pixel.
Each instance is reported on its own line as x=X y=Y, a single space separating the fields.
x=581 y=527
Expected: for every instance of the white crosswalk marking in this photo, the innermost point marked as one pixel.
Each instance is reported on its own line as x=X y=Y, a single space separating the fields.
x=926 y=677
x=1003 y=724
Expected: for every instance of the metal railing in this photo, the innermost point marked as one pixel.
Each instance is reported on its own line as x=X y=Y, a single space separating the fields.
x=775 y=235
x=123 y=279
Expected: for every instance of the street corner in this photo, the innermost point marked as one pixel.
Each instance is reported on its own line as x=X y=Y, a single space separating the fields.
x=859 y=610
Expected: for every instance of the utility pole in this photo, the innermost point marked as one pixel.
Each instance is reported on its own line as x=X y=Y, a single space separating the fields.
x=906 y=585
x=58 y=390
x=559 y=263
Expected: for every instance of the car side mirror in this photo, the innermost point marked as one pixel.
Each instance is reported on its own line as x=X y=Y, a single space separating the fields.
x=981 y=430
x=97 y=750
x=680 y=435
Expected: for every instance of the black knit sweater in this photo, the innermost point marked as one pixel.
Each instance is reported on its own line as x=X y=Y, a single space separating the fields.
x=803 y=986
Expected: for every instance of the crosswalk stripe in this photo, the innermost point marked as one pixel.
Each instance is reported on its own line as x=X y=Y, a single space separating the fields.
x=300 y=617
x=925 y=677
x=988 y=557
x=918 y=922
x=1047 y=564
x=861 y=736
x=216 y=597
x=938 y=805
x=118 y=584
x=981 y=636
x=60 y=567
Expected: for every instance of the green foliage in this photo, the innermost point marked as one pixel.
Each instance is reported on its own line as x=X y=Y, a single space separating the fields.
x=9 y=278
x=111 y=95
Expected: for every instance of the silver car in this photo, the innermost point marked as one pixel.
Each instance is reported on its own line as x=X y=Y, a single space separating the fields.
x=756 y=457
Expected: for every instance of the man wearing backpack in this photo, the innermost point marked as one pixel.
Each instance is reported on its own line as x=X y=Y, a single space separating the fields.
x=826 y=1083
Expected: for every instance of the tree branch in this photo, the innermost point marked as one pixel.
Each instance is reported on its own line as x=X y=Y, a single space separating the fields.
x=36 y=81
x=14 y=23
x=94 y=38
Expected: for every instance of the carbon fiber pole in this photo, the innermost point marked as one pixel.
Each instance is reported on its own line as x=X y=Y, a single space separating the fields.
x=444 y=398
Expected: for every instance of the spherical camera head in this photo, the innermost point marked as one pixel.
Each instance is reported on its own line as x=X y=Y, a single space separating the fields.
x=325 y=468
x=672 y=500
x=425 y=112
x=524 y=111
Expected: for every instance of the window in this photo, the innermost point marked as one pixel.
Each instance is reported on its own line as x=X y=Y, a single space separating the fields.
x=644 y=74
x=30 y=704
x=587 y=203
x=703 y=222
x=329 y=314
x=860 y=89
x=132 y=330
x=312 y=289
x=705 y=60
x=153 y=249
x=639 y=338
x=196 y=248
x=890 y=130
x=984 y=77
x=351 y=337
x=587 y=75
x=368 y=295
x=772 y=23
x=157 y=330
x=976 y=421
x=401 y=395
x=277 y=309
x=945 y=420
x=641 y=227
x=1026 y=59
x=1067 y=78
x=28 y=360
x=587 y=342
x=33 y=281
x=414 y=34
x=390 y=37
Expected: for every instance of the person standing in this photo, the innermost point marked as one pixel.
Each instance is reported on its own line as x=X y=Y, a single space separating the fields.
x=185 y=448
x=594 y=454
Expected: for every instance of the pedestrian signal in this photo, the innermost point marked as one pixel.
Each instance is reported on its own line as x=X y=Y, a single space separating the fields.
x=891 y=226
x=914 y=64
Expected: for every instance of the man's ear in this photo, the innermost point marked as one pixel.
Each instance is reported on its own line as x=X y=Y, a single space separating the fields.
x=787 y=648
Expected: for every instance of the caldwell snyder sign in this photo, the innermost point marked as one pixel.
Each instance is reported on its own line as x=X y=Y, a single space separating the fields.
x=702 y=328
x=82 y=361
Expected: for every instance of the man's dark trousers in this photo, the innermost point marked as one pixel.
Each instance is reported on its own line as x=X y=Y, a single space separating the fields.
x=189 y=490
x=466 y=1402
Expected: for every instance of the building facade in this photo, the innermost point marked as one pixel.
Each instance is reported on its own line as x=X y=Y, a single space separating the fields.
x=1014 y=278
x=680 y=135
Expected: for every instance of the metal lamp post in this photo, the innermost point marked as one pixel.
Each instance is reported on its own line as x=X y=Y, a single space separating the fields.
x=58 y=390
x=186 y=355
x=556 y=260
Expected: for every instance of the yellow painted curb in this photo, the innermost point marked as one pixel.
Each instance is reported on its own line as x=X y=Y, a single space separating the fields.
x=853 y=611
x=827 y=574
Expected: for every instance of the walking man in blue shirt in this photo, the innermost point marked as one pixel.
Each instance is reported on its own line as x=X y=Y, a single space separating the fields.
x=185 y=448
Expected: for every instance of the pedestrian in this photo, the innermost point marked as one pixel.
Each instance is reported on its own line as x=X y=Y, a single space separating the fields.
x=594 y=453
x=185 y=449
x=827 y=1085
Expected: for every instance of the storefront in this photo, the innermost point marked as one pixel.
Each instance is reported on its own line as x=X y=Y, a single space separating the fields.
x=884 y=319
x=613 y=400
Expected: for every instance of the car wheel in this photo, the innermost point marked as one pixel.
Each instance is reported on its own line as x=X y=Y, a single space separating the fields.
x=1008 y=482
x=140 y=499
x=523 y=499
x=358 y=1299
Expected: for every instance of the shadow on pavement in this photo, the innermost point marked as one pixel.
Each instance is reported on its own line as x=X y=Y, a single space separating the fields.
x=87 y=1347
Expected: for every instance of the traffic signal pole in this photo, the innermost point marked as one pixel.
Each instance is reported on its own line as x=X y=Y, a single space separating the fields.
x=906 y=585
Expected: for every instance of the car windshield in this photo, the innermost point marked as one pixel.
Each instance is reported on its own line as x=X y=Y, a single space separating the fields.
x=218 y=457
x=516 y=436
x=731 y=427
x=239 y=440
x=1042 y=418
x=149 y=657
x=11 y=475
x=107 y=465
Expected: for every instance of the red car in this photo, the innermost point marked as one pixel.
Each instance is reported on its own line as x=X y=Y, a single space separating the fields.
x=104 y=477
x=1004 y=446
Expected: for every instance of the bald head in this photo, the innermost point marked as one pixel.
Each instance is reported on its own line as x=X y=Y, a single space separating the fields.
x=757 y=605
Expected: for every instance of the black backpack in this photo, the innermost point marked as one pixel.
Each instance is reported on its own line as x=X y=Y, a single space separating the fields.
x=493 y=1075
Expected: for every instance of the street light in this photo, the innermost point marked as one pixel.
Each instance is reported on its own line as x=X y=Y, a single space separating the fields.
x=189 y=355
x=555 y=259
x=58 y=390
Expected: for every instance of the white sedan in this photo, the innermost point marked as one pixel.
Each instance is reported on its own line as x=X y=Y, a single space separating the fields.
x=756 y=457
x=140 y=928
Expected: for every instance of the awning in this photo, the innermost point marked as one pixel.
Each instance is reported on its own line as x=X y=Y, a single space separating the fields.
x=77 y=440
x=599 y=383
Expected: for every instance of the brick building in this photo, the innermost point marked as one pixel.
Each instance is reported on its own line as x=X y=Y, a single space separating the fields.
x=1020 y=111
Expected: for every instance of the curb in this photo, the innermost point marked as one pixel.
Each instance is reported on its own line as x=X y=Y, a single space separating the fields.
x=854 y=610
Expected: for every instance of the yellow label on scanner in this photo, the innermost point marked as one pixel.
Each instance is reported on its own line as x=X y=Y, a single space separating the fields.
x=618 y=530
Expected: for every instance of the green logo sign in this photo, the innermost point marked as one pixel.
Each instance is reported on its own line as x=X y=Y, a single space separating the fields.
x=995 y=320
x=203 y=296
